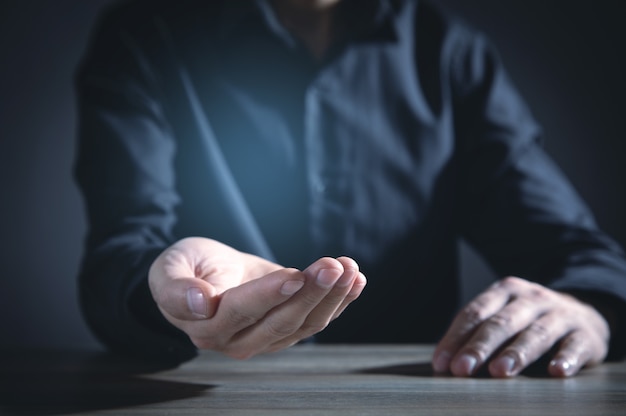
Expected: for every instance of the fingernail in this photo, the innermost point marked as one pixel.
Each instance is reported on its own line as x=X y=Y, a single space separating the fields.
x=504 y=365
x=466 y=365
x=326 y=278
x=197 y=303
x=564 y=366
x=347 y=278
x=441 y=362
x=291 y=286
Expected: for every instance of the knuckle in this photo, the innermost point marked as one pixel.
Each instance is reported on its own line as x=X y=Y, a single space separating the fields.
x=279 y=329
x=332 y=299
x=539 y=293
x=512 y=281
x=235 y=318
x=478 y=349
x=309 y=299
x=539 y=331
x=473 y=313
x=498 y=322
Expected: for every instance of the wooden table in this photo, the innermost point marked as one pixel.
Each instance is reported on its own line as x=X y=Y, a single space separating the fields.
x=304 y=380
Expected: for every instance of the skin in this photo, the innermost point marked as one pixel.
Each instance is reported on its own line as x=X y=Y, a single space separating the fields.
x=515 y=322
x=243 y=305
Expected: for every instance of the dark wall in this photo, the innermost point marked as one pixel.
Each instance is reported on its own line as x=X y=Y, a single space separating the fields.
x=41 y=218
x=566 y=58
x=563 y=55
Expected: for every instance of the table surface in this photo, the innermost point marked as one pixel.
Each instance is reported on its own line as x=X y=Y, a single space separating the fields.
x=304 y=380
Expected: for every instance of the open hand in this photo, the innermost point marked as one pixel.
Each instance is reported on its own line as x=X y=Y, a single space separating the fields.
x=243 y=305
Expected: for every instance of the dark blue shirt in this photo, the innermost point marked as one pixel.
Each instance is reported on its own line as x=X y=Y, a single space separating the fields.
x=208 y=118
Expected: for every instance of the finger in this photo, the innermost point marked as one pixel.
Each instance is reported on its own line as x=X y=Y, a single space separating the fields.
x=323 y=312
x=179 y=294
x=465 y=323
x=355 y=291
x=531 y=343
x=288 y=318
x=327 y=308
x=243 y=306
x=185 y=298
x=494 y=332
x=575 y=352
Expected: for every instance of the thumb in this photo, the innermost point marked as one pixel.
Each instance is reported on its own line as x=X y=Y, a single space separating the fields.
x=186 y=298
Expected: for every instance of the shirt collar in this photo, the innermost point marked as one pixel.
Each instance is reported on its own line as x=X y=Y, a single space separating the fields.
x=369 y=19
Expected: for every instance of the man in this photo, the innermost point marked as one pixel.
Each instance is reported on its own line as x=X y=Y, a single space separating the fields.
x=223 y=141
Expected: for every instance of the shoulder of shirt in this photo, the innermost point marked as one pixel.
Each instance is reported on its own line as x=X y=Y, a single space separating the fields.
x=441 y=36
x=434 y=21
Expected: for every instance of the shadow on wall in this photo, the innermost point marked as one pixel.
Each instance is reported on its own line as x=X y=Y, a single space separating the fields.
x=562 y=55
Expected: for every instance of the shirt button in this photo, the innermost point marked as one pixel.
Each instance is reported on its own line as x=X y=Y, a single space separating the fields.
x=319 y=186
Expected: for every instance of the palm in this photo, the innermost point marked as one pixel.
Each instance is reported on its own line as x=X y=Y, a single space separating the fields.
x=243 y=305
x=218 y=264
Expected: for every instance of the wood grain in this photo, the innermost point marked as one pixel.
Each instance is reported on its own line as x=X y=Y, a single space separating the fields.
x=304 y=380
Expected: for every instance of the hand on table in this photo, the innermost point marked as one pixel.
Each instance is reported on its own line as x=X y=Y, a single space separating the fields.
x=243 y=305
x=513 y=323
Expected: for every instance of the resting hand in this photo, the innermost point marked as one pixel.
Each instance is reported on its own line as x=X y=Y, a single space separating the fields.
x=243 y=305
x=514 y=323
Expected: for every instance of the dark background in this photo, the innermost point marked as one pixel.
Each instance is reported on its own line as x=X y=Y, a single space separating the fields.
x=565 y=57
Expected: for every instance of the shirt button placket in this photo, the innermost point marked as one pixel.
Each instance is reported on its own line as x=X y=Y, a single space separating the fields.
x=316 y=159
x=318 y=185
x=313 y=141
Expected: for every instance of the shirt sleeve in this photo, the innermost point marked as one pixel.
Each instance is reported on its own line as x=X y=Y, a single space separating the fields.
x=518 y=209
x=124 y=168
